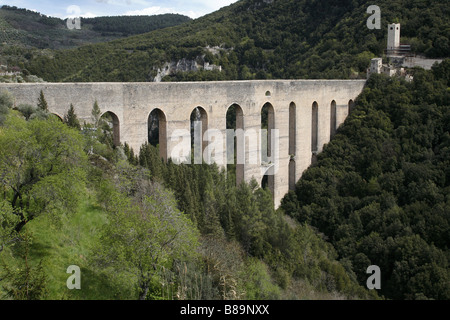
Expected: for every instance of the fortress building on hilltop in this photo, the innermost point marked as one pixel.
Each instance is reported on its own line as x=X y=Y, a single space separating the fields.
x=398 y=57
x=394 y=47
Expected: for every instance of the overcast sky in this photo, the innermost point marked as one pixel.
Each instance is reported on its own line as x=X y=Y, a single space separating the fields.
x=93 y=8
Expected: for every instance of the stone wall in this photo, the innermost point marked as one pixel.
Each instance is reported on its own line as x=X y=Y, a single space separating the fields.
x=132 y=104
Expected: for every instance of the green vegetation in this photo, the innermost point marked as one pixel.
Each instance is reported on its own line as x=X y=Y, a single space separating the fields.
x=255 y=39
x=378 y=194
x=27 y=28
x=380 y=189
x=25 y=34
x=140 y=228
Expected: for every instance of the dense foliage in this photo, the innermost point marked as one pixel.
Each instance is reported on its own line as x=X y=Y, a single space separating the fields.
x=208 y=238
x=25 y=28
x=255 y=39
x=380 y=189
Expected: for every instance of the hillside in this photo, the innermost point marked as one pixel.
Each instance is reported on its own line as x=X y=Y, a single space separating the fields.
x=25 y=28
x=138 y=227
x=380 y=189
x=255 y=39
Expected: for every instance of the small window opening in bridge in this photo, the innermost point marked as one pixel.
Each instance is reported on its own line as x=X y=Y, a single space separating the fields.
x=333 y=127
x=314 y=127
x=199 y=115
x=110 y=126
x=268 y=94
x=157 y=132
x=235 y=121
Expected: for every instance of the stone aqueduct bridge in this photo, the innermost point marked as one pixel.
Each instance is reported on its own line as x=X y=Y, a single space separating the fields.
x=306 y=113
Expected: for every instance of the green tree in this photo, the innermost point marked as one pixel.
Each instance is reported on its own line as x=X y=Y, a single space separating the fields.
x=27 y=110
x=142 y=239
x=6 y=103
x=8 y=221
x=20 y=279
x=71 y=118
x=96 y=114
x=42 y=167
x=42 y=103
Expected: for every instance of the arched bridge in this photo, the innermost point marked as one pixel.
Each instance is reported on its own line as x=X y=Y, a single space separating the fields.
x=304 y=113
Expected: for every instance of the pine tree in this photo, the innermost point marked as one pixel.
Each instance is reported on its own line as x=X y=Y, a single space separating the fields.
x=71 y=118
x=211 y=222
x=42 y=103
x=96 y=114
x=24 y=281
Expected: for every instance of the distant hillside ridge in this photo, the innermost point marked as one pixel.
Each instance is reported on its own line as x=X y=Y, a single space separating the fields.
x=258 y=39
x=22 y=27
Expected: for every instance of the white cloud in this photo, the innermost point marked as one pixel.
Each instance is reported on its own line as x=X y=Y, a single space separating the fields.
x=125 y=2
x=212 y=5
x=89 y=15
x=161 y=10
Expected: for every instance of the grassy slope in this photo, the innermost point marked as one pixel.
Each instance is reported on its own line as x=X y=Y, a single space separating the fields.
x=66 y=242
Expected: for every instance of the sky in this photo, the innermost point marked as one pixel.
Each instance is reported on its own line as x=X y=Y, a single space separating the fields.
x=93 y=8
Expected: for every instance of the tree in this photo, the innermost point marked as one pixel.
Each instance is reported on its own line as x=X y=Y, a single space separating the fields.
x=42 y=167
x=6 y=103
x=143 y=238
x=27 y=110
x=23 y=281
x=8 y=221
x=42 y=103
x=71 y=118
x=96 y=114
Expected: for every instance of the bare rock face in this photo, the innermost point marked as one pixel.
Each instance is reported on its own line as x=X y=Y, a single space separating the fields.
x=169 y=68
x=183 y=65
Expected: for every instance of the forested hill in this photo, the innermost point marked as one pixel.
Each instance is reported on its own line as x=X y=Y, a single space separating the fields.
x=258 y=39
x=381 y=188
x=26 y=28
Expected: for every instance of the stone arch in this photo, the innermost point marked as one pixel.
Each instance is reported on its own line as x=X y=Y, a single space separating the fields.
x=268 y=181
x=351 y=105
x=199 y=114
x=235 y=121
x=292 y=174
x=268 y=123
x=292 y=129
x=333 y=119
x=157 y=131
x=292 y=144
x=114 y=123
x=58 y=116
x=315 y=127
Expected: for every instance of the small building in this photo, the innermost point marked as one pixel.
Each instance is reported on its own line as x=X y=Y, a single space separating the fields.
x=375 y=65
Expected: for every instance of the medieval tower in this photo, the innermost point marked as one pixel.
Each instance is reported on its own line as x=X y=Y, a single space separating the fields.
x=393 y=42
